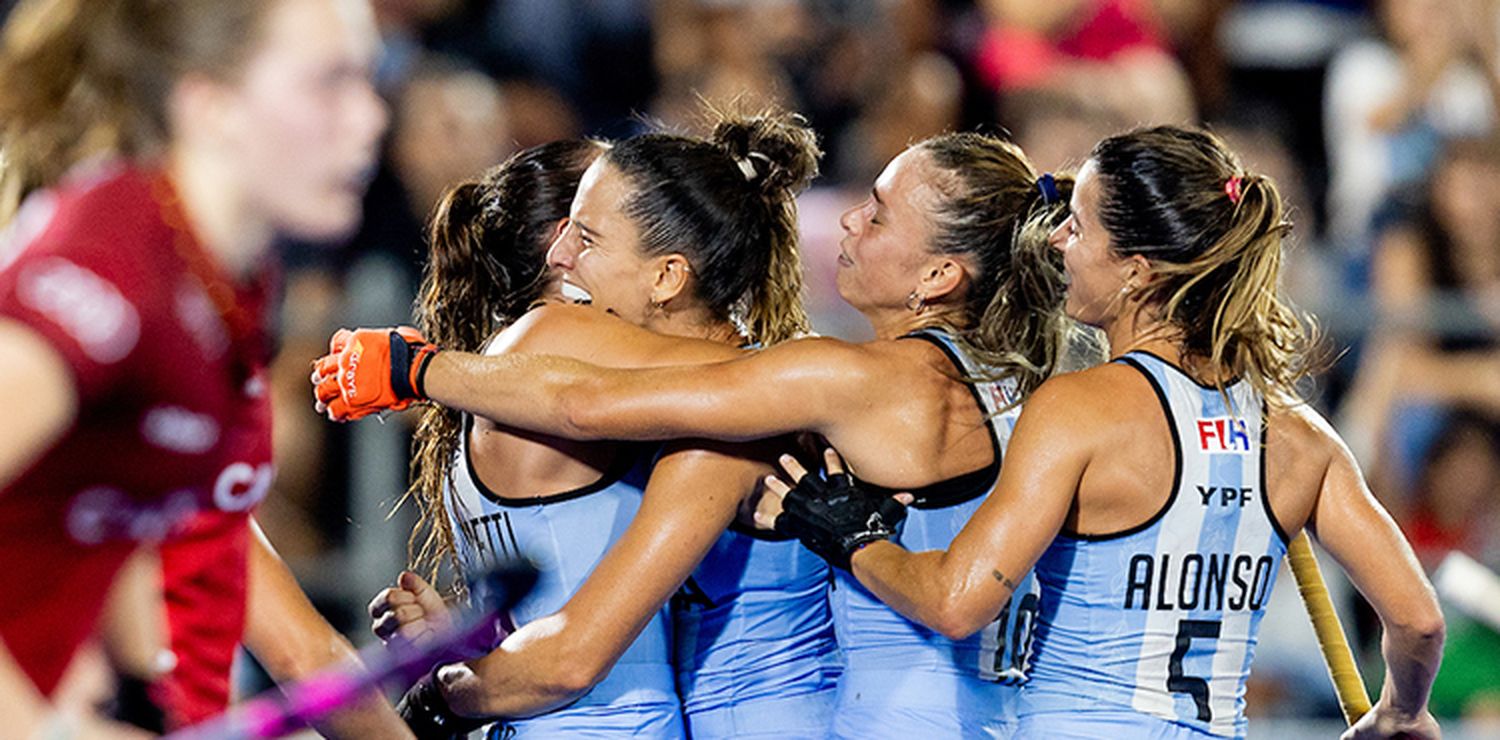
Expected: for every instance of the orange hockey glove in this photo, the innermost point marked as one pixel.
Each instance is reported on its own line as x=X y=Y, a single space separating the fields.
x=373 y=370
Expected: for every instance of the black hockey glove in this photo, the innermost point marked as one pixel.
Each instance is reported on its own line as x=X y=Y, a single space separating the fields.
x=427 y=713
x=833 y=517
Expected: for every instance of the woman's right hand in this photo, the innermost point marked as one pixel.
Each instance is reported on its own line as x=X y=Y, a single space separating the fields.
x=1384 y=722
x=412 y=610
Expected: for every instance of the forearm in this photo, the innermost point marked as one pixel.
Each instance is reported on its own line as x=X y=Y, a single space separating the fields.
x=293 y=641
x=537 y=393
x=927 y=587
x=533 y=671
x=1412 y=655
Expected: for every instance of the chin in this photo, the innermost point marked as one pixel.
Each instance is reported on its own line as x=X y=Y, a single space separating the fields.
x=335 y=222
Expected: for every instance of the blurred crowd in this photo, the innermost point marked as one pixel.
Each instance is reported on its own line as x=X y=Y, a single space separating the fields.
x=1378 y=119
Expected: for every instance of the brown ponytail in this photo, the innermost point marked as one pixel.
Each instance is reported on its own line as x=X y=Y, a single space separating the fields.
x=996 y=212
x=1214 y=235
x=486 y=267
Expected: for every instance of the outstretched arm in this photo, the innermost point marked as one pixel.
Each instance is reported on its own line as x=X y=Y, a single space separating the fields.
x=1363 y=538
x=692 y=496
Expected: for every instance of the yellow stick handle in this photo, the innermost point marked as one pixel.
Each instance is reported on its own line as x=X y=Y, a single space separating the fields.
x=1347 y=683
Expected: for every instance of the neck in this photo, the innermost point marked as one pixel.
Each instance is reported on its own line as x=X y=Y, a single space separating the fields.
x=695 y=324
x=895 y=324
x=1137 y=330
x=220 y=219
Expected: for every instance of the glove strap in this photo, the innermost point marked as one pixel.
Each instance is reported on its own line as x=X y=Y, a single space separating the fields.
x=428 y=715
x=409 y=367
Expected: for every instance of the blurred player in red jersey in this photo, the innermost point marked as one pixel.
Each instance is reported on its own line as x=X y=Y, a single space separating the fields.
x=175 y=139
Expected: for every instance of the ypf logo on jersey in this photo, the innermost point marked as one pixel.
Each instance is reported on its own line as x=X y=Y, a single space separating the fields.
x=1223 y=434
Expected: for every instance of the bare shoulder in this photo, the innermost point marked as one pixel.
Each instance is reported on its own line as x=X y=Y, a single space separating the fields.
x=1299 y=428
x=596 y=336
x=1110 y=388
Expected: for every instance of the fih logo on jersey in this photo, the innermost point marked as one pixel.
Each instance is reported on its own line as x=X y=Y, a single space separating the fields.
x=1223 y=434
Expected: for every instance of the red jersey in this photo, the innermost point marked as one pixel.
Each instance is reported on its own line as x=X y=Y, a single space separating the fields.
x=172 y=424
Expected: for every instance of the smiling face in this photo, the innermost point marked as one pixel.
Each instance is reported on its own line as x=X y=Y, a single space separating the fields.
x=1096 y=275
x=886 y=237
x=305 y=119
x=598 y=253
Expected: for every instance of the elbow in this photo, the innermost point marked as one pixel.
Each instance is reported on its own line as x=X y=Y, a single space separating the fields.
x=579 y=411
x=954 y=619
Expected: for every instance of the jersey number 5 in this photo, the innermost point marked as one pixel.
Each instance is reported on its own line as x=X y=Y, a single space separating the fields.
x=1187 y=631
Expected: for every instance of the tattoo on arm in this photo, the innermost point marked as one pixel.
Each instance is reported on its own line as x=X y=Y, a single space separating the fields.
x=1008 y=583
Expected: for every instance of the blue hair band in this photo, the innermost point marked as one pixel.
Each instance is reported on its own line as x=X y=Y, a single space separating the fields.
x=1048 y=185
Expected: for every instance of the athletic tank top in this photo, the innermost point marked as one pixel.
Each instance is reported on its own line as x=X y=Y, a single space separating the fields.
x=566 y=535
x=753 y=625
x=876 y=638
x=1162 y=618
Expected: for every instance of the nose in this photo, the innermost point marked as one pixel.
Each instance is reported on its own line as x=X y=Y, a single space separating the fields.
x=849 y=219
x=1059 y=235
x=564 y=248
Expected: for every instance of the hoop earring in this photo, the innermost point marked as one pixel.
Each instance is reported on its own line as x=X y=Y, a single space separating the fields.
x=915 y=303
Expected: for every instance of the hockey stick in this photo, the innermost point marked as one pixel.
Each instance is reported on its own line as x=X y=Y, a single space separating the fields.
x=1342 y=669
x=283 y=710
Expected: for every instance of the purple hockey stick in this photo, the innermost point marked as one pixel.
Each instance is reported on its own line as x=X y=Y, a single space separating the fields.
x=281 y=711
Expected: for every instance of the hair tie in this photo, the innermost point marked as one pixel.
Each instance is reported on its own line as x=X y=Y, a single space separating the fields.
x=747 y=167
x=1232 y=188
x=1047 y=184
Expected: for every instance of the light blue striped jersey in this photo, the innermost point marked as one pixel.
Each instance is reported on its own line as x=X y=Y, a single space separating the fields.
x=902 y=679
x=1161 y=619
x=566 y=535
x=755 y=647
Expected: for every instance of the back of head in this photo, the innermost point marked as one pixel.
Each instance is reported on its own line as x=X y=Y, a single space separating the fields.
x=486 y=266
x=996 y=212
x=84 y=77
x=728 y=204
x=1213 y=233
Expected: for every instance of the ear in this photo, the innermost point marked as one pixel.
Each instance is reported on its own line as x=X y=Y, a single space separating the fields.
x=942 y=277
x=673 y=273
x=200 y=109
x=1138 y=271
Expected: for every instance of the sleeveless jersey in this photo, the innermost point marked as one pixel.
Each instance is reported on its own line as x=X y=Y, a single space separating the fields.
x=1161 y=619
x=902 y=679
x=566 y=535
x=172 y=430
x=755 y=648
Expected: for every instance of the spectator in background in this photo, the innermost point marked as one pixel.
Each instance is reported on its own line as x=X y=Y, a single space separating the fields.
x=1111 y=52
x=1391 y=102
x=1435 y=279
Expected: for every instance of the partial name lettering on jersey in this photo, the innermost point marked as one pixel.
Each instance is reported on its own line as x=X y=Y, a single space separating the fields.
x=1224 y=434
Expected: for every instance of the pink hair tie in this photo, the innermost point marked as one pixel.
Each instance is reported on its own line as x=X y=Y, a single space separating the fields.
x=1232 y=189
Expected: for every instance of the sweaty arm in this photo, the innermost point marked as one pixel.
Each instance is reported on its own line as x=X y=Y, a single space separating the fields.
x=293 y=641
x=1366 y=542
x=692 y=496
x=806 y=384
x=958 y=591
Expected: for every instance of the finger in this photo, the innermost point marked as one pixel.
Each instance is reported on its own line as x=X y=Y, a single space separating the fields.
x=327 y=366
x=385 y=601
x=792 y=467
x=777 y=486
x=326 y=391
x=338 y=341
x=768 y=508
x=423 y=593
x=905 y=498
x=385 y=627
x=833 y=462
